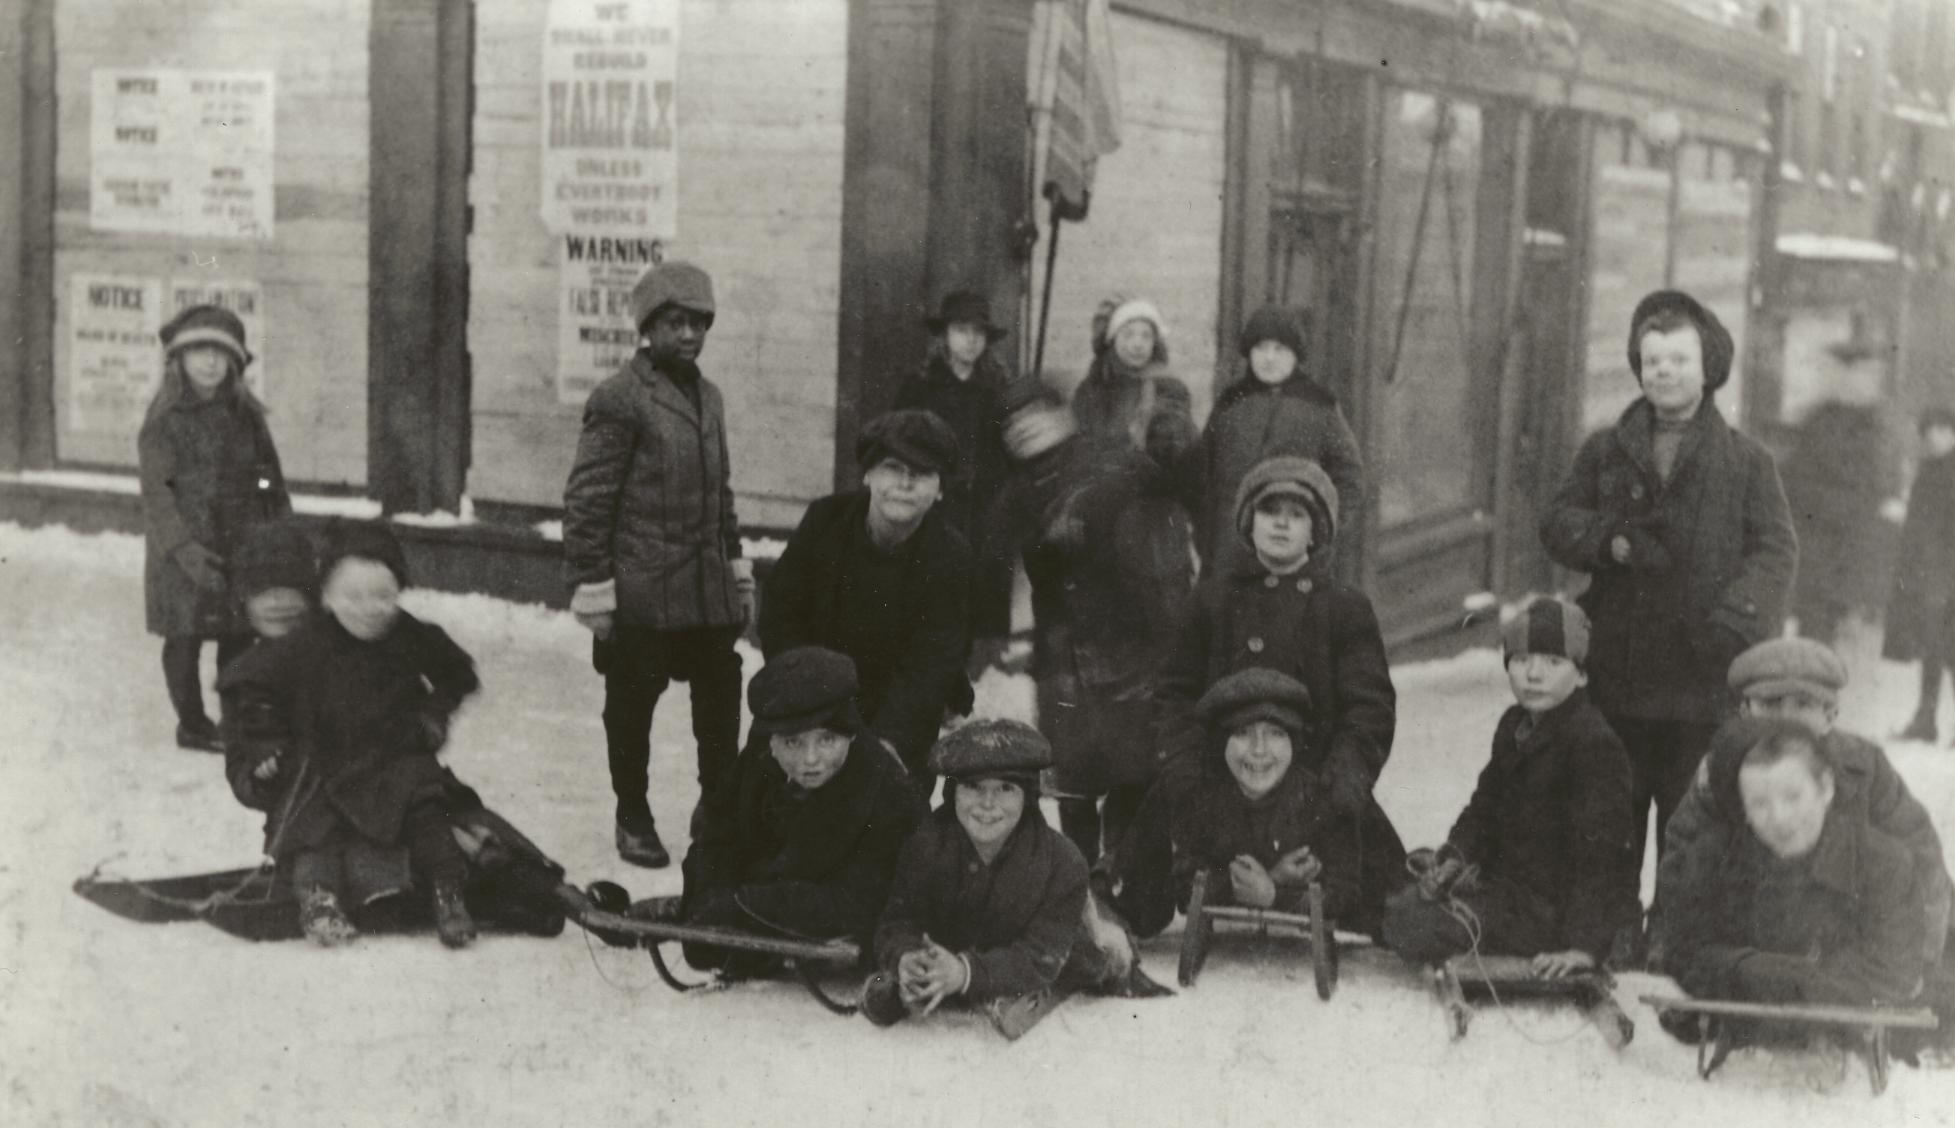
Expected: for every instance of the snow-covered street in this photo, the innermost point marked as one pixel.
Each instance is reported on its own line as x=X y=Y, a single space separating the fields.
x=107 y=1022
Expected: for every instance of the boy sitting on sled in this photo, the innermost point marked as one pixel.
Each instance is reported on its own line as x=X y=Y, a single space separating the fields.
x=990 y=903
x=1261 y=810
x=800 y=839
x=1538 y=864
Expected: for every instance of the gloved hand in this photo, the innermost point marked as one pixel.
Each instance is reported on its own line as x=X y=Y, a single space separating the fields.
x=204 y=567
x=595 y=606
x=1251 y=883
x=743 y=587
x=1636 y=545
x=1349 y=778
x=1769 y=977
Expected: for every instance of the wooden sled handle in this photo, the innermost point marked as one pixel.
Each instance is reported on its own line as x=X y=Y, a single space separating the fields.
x=1911 y=1018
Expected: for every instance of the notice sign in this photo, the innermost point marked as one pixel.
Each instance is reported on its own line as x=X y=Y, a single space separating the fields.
x=114 y=358
x=595 y=336
x=610 y=159
x=177 y=152
x=241 y=296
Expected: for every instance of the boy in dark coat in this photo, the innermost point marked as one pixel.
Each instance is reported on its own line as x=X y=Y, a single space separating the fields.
x=989 y=903
x=334 y=728
x=802 y=842
x=1259 y=814
x=652 y=551
x=1682 y=526
x=1539 y=861
x=880 y=575
x=1921 y=612
x=1281 y=609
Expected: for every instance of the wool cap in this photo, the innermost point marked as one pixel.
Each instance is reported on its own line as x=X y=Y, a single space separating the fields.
x=274 y=555
x=368 y=540
x=1718 y=348
x=992 y=749
x=917 y=437
x=672 y=283
x=1135 y=309
x=1256 y=694
x=804 y=688
x=1274 y=323
x=1024 y=391
x=1293 y=476
x=1785 y=665
x=1547 y=626
x=206 y=325
x=965 y=307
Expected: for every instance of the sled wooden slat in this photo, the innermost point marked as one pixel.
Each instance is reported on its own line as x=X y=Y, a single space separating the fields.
x=834 y=953
x=1714 y=1044
x=1314 y=927
x=1513 y=976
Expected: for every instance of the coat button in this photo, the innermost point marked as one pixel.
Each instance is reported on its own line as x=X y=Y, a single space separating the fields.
x=1255 y=646
x=1303 y=586
x=1636 y=492
x=1269 y=581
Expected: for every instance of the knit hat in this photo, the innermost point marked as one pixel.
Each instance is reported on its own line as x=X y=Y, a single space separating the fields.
x=368 y=540
x=804 y=688
x=1256 y=694
x=1718 y=349
x=965 y=307
x=1136 y=309
x=1785 y=665
x=993 y=749
x=1546 y=626
x=207 y=325
x=672 y=283
x=1274 y=323
x=1293 y=476
x=917 y=437
x=274 y=555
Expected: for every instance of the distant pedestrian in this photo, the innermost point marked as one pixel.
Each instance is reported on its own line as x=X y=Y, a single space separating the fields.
x=210 y=475
x=1834 y=486
x=652 y=547
x=1921 y=612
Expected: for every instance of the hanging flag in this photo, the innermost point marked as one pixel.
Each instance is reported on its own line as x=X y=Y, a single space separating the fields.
x=1082 y=99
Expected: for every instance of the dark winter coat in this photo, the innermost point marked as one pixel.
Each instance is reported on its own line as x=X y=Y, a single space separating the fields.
x=1841 y=926
x=1866 y=787
x=356 y=726
x=1150 y=411
x=1253 y=421
x=1016 y=920
x=1717 y=579
x=649 y=501
x=809 y=863
x=209 y=475
x=902 y=617
x=1551 y=816
x=1834 y=488
x=1107 y=593
x=1305 y=625
x=1921 y=610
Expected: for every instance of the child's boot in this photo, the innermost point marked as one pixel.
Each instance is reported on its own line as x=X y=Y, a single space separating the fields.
x=451 y=920
x=322 y=920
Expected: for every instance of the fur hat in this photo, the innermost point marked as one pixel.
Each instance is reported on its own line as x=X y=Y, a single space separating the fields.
x=671 y=283
x=1295 y=477
x=1136 y=309
x=993 y=749
x=1547 y=626
x=917 y=437
x=206 y=325
x=276 y=554
x=368 y=540
x=1256 y=694
x=804 y=688
x=965 y=307
x=1718 y=348
x=1784 y=665
x=1274 y=323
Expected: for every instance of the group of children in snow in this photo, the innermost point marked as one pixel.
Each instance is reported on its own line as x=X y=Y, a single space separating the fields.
x=1807 y=870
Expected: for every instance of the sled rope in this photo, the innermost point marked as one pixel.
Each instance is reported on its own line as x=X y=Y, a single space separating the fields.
x=1470 y=921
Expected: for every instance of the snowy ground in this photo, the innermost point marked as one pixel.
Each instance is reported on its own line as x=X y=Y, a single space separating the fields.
x=104 y=1022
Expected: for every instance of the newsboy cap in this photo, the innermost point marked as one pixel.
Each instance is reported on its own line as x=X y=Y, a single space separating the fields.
x=1256 y=694
x=206 y=325
x=1715 y=339
x=368 y=540
x=917 y=437
x=276 y=554
x=989 y=749
x=804 y=688
x=671 y=283
x=1547 y=626
x=1785 y=665
x=1293 y=476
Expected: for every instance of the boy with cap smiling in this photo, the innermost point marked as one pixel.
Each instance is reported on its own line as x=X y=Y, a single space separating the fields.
x=1539 y=861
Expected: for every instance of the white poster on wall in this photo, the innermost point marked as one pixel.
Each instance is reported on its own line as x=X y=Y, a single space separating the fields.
x=242 y=296
x=610 y=155
x=595 y=335
x=114 y=358
x=177 y=152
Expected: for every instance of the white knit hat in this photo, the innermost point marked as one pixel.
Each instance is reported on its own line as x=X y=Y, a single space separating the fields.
x=1136 y=309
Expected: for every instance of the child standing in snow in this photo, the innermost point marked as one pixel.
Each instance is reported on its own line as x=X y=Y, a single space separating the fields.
x=334 y=729
x=1921 y=613
x=209 y=476
x=1538 y=864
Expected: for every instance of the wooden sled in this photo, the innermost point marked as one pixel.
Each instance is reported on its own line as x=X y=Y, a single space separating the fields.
x=1714 y=1041
x=1314 y=926
x=1510 y=977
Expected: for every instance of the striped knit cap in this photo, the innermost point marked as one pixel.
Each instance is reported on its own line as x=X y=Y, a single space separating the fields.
x=1547 y=626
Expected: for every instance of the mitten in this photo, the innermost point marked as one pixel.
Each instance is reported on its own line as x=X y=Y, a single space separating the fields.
x=595 y=606
x=1646 y=552
x=204 y=567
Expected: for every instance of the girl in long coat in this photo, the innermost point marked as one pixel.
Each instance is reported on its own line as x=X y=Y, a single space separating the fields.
x=210 y=475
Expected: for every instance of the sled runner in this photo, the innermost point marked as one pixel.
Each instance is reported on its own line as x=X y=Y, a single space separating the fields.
x=1715 y=1038
x=1313 y=926
x=1509 y=977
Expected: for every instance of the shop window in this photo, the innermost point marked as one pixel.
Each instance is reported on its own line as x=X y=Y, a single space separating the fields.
x=1629 y=249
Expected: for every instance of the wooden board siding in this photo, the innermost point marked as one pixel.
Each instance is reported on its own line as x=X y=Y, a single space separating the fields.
x=760 y=115
x=312 y=272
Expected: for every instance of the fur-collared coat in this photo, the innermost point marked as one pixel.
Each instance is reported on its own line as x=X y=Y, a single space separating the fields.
x=1254 y=421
